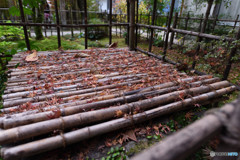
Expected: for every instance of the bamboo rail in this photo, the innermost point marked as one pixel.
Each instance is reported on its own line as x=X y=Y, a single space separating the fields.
x=188 y=140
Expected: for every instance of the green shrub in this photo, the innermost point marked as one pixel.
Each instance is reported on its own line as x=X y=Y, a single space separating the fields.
x=11 y=33
x=95 y=33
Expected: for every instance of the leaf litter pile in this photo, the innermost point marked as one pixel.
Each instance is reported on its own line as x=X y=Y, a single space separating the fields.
x=63 y=97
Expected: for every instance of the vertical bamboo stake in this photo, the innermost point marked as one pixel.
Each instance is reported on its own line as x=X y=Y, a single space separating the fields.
x=148 y=24
x=128 y=20
x=236 y=21
x=24 y=25
x=210 y=2
x=110 y=22
x=140 y=23
x=132 y=26
x=120 y=26
x=230 y=60
x=174 y=26
x=168 y=29
x=58 y=27
x=136 y=36
x=185 y=28
x=153 y=20
x=71 y=17
x=85 y=22
x=214 y=23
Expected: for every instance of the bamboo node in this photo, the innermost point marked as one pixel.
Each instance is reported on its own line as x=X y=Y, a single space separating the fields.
x=63 y=139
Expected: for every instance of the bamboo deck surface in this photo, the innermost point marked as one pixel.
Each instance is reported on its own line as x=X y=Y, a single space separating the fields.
x=69 y=96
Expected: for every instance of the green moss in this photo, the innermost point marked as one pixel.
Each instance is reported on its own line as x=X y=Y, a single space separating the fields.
x=141 y=145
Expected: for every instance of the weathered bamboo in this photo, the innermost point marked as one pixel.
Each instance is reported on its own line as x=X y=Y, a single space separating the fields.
x=185 y=28
x=159 y=89
x=174 y=26
x=203 y=28
x=132 y=26
x=164 y=85
x=63 y=140
x=76 y=86
x=168 y=29
x=230 y=60
x=39 y=128
x=60 y=95
x=188 y=140
x=153 y=21
x=70 y=66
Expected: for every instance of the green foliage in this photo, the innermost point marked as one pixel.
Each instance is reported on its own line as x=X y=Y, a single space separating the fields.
x=12 y=33
x=158 y=40
x=27 y=7
x=96 y=32
x=116 y=154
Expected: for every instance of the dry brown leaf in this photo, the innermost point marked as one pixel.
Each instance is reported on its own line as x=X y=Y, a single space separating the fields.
x=130 y=134
x=113 y=45
x=32 y=57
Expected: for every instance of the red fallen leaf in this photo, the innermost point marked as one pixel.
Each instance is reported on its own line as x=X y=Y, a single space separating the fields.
x=55 y=114
x=108 y=143
x=120 y=141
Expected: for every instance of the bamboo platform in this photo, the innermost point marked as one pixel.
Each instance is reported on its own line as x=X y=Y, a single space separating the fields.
x=68 y=96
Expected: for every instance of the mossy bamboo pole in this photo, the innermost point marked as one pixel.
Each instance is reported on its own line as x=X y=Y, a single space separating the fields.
x=47 y=144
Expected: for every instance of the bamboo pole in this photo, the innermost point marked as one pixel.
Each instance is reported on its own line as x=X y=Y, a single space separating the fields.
x=230 y=60
x=203 y=28
x=132 y=26
x=202 y=78
x=60 y=95
x=141 y=94
x=174 y=26
x=47 y=144
x=153 y=21
x=168 y=29
x=39 y=128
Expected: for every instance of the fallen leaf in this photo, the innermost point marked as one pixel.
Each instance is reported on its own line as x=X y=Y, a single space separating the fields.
x=32 y=57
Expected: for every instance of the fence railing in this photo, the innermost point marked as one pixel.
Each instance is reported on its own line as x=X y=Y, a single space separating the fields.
x=200 y=35
x=221 y=122
x=171 y=27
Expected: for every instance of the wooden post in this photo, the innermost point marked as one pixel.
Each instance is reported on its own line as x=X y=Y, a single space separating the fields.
x=214 y=23
x=24 y=25
x=168 y=29
x=136 y=36
x=185 y=28
x=148 y=23
x=153 y=20
x=132 y=26
x=230 y=60
x=174 y=26
x=203 y=28
x=71 y=17
x=110 y=22
x=58 y=27
x=85 y=22
x=236 y=21
x=128 y=20
x=120 y=26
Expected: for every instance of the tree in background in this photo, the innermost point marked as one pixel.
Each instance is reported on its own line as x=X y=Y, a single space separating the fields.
x=35 y=8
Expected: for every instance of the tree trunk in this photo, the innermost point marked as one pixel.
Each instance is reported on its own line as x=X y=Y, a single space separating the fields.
x=37 y=14
x=63 y=12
